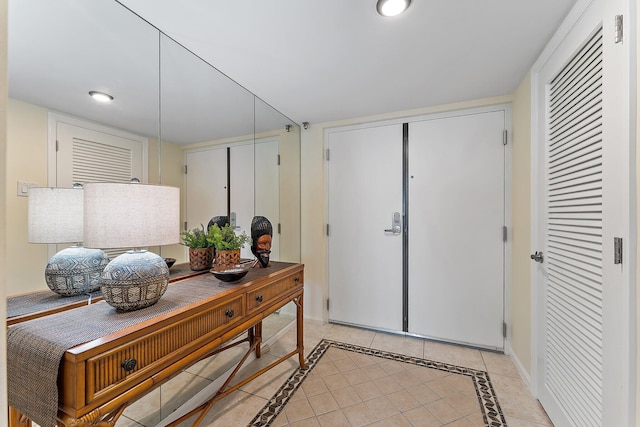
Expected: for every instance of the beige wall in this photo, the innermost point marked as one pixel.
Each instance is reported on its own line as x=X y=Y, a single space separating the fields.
x=27 y=151
x=290 y=194
x=637 y=179
x=170 y=174
x=3 y=208
x=521 y=227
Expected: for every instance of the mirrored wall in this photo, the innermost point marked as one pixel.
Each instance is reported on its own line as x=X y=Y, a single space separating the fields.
x=162 y=93
x=180 y=110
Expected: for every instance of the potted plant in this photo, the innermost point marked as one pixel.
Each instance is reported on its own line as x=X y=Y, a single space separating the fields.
x=200 y=247
x=227 y=244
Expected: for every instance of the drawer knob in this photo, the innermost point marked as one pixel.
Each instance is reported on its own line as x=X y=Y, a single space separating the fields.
x=259 y=298
x=229 y=313
x=297 y=280
x=129 y=364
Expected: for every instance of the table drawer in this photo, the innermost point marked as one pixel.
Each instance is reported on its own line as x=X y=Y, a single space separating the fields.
x=268 y=293
x=141 y=358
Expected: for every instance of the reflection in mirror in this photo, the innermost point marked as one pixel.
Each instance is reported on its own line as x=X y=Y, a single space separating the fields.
x=199 y=103
x=199 y=108
x=241 y=158
x=180 y=111
x=273 y=125
x=277 y=190
x=57 y=53
x=212 y=118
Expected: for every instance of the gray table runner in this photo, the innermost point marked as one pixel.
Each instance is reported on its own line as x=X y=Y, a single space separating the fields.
x=34 y=302
x=35 y=348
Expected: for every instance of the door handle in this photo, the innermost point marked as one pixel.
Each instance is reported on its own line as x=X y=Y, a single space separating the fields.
x=537 y=257
x=232 y=221
x=396 y=227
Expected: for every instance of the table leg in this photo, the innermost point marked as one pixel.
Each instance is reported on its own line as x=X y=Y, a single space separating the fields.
x=257 y=332
x=17 y=419
x=300 y=330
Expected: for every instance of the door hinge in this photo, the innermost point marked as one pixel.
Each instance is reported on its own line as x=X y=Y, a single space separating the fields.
x=504 y=137
x=327 y=155
x=185 y=169
x=504 y=233
x=327 y=229
x=617 y=250
x=504 y=329
x=279 y=228
x=57 y=146
x=278 y=159
x=618 y=31
x=185 y=226
x=327 y=304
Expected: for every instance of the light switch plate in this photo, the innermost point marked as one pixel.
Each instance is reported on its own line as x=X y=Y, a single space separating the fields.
x=23 y=188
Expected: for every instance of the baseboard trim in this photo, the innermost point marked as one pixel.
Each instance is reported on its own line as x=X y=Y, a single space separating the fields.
x=524 y=375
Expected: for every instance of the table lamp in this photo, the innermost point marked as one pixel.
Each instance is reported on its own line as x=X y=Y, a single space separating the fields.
x=132 y=215
x=55 y=215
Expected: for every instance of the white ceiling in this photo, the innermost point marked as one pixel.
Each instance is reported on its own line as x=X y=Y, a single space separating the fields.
x=313 y=60
x=323 y=60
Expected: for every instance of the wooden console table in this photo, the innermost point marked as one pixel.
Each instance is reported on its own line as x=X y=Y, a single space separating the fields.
x=99 y=378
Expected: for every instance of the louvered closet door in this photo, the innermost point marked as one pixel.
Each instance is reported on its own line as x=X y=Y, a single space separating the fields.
x=574 y=234
x=86 y=155
x=582 y=379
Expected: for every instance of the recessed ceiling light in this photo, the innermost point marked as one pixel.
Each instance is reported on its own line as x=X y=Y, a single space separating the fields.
x=100 y=96
x=392 y=7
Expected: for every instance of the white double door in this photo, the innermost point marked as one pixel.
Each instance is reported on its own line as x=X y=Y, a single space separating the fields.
x=441 y=183
x=239 y=180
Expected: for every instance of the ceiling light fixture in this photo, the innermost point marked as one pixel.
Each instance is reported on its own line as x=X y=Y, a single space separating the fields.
x=101 y=96
x=392 y=7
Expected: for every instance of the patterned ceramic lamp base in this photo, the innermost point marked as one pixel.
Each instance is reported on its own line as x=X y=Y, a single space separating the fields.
x=75 y=270
x=135 y=280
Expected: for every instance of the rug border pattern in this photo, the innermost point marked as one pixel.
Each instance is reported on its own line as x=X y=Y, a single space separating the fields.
x=491 y=412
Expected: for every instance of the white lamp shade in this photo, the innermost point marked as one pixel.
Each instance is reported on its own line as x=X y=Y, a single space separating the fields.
x=55 y=215
x=118 y=215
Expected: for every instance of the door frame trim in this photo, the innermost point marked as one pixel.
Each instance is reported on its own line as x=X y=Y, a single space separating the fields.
x=53 y=118
x=507 y=270
x=405 y=227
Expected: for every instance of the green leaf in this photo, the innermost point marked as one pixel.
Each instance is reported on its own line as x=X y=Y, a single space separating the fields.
x=196 y=238
x=225 y=238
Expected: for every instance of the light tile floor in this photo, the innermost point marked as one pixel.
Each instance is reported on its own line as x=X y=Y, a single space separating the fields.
x=316 y=407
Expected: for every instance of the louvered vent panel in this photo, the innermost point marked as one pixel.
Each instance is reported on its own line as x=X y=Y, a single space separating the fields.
x=574 y=239
x=96 y=162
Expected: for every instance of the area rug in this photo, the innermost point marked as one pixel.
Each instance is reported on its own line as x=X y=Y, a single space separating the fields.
x=409 y=402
